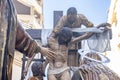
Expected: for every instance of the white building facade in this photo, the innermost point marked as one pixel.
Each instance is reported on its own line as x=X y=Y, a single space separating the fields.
x=114 y=20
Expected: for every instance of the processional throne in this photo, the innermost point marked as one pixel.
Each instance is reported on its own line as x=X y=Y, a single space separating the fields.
x=73 y=55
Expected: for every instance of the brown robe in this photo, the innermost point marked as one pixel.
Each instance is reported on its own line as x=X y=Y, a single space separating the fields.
x=90 y=70
x=94 y=71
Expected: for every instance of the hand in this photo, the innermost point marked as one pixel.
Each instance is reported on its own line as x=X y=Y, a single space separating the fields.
x=104 y=26
x=50 y=55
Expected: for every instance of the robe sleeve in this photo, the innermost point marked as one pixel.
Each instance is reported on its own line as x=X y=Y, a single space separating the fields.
x=24 y=43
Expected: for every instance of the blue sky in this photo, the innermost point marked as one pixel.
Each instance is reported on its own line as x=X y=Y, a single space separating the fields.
x=94 y=10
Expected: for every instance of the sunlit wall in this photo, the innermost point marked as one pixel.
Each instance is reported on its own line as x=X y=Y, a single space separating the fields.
x=114 y=19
